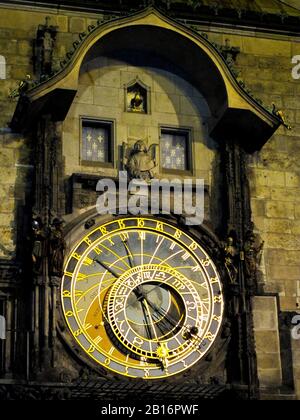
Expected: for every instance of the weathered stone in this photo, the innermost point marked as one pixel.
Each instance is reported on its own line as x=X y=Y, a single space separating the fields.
x=6 y=205
x=264 y=303
x=270 y=377
x=86 y=94
x=284 y=194
x=272 y=225
x=265 y=320
x=268 y=361
x=77 y=25
x=258 y=207
x=107 y=97
x=167 y=103
x=281 y=272
x=292 y=180
x=280 y=209
x=282 y=241
x=267 y=342
x=288 y=303
x=270 y=178
x=283 y=257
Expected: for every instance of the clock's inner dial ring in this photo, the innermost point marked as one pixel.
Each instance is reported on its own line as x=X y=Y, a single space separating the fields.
x=153 y=307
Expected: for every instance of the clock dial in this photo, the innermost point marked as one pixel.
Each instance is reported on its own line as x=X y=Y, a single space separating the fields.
x=142 y=298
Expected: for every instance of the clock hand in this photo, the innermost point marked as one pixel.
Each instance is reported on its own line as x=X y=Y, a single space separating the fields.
x=129 y=253
x=191 y=332
x=139 y=296
x=162 y=351
x=163 y=313
x=106 y=267
x=150 y=319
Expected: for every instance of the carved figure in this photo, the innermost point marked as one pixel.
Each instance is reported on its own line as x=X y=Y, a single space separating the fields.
x=137 y=102
x=57 y=248
x=231 y=253
x=38 y=238
x=44 y=48
x=253 y=254
x=140 y=164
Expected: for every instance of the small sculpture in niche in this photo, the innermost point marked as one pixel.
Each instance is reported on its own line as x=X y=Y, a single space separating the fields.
x=231 y=254
x=57 y=247
x=141 y=163
x=44 y=48
x=137 y=102
x=38 y=237
x=253 y=253
x=137 y=97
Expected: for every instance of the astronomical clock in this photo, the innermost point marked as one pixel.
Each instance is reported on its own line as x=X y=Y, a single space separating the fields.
x=142 y=298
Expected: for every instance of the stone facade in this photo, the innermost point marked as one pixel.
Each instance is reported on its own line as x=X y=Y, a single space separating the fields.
x=265 y=65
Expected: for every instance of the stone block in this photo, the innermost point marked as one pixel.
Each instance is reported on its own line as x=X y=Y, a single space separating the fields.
x=85 y=94
x=282 y=241
x=274 y=225
x=6 y=205
x=283 y=257
x=88 y=76
x=280 y=209
x=167 y=103
x=107 y=97
x=24 y=48
x=188 y=106
x=264 y=303
x=6 y=237
x=8 y=175
x=292 y=180
x=137 y=131
x=265 y=320
x=267 y=178
x=288 y=303
x=284 y=272
x=268 y=361
x=291 y=102
x=165 y=83
x=62 y=23
x=7 y=219
x=266 y=47
x=7 y=157
x=260 y=192
x=290 y=287
x=258 y=207
x=270 y=377
x=267 y=341
x=284 y=194
x=109 y=78
x=77 y=25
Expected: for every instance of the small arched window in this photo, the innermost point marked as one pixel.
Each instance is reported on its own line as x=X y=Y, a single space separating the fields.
x=2 y=68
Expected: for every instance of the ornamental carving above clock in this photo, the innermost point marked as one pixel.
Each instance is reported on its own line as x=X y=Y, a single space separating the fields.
x=142 y=298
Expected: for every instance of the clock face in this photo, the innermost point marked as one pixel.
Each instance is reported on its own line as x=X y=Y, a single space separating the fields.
x=142 y=298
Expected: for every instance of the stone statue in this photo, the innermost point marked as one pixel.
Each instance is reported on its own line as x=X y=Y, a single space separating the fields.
x=22 y=88
x=231 y=254
x=253 y=254
x=137 y=102
x=47 y=50
x=57 y=248
x=44 y=48
x=140 y=164
x=38 y=241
